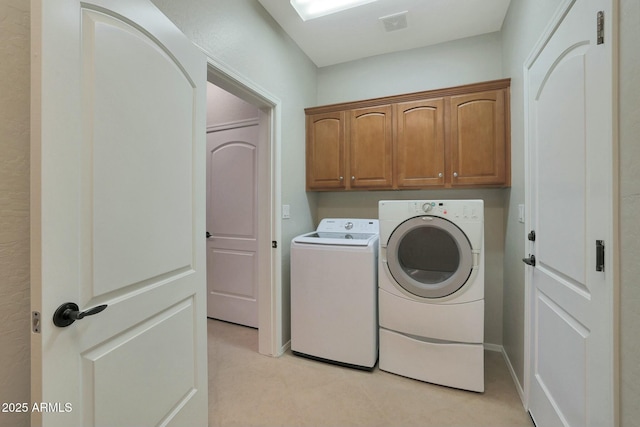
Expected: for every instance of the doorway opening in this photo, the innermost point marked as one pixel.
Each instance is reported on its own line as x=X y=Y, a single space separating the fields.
x=571 y=168
x=254 y=119
x=233 y=188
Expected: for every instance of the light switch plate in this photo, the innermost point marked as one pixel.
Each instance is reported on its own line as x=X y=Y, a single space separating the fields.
x=521 y=213
x=286 y=212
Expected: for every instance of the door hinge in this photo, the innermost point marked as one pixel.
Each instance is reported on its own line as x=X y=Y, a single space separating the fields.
x=600 y=27
x=599 y=255
x=274 y=244
x=35 y=322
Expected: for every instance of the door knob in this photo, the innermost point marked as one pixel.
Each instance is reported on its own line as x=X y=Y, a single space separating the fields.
x=208 y=234
x=530 y=261
x=68 y=313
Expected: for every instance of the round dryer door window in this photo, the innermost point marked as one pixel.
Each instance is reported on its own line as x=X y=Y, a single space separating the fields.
x=429 y=257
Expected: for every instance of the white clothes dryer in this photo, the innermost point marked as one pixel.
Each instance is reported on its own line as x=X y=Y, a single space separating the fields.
x=431 y=291
x=334 y=283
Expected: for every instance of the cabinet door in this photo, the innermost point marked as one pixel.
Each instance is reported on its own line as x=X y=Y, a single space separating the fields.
x=325 y=151
x=419 y=144
x=370 y=153
x=478 y=139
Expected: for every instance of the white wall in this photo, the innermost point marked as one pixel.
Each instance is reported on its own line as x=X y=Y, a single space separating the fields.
x=630 y=210
x=523 y=26
x=223 y=107
x=469 y=60
x=455 y=63
x=14 y=208
x=243 y=36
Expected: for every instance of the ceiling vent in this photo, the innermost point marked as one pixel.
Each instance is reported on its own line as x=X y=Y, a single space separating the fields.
x=394 y=22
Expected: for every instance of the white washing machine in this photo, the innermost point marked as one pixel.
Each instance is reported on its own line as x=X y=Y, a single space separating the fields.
x=334 y=287
x=431 y=291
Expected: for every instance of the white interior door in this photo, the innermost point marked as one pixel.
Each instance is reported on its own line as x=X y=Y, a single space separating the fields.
x=232 y=221
x=570 y=194
x=118 y=191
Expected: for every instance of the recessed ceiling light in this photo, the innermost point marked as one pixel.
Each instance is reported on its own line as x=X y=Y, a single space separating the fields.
x=310 y=9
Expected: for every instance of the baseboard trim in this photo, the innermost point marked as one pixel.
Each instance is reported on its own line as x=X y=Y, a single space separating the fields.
x=493 y=347
x=284 y=348
x=515 y=378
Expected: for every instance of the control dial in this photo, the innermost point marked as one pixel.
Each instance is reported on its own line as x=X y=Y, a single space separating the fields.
x=428 y=206
x=348 y=225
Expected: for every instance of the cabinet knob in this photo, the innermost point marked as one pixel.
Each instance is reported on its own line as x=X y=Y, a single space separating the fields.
x=440 y=175
x=341 y=178
x=353 y=178
x=455 y=174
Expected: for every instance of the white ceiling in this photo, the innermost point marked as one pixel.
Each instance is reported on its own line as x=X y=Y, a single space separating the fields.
x=357 y=33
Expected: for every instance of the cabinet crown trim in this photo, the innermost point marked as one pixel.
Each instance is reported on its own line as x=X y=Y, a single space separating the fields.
x=415 y=96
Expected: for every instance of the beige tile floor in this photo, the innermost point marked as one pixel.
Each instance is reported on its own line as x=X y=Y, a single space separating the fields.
x=248 y=389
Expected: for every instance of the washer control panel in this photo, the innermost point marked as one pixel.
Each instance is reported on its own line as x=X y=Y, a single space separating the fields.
x=354 y=225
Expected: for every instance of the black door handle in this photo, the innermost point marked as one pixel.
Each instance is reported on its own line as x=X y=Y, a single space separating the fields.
x=208 y=234
x=69 y=312
x=530 y=261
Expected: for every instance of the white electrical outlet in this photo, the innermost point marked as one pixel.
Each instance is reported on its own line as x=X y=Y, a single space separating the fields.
x=286 y=212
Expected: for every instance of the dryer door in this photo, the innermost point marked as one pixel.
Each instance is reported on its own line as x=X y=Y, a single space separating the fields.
x=429 y=256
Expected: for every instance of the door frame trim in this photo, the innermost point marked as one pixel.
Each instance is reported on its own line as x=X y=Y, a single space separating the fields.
x=613 y=246
x=270 y=318
x=233 y=125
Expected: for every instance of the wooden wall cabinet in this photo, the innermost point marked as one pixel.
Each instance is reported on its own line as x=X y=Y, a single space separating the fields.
x=370 y=148
x=478 y=139
x=350 y=149
x=447 y=138
x=419 y=144
x=325 y=151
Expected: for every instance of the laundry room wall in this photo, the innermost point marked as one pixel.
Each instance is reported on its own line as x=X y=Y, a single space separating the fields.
x=469 y=60
x=14 y=208
x=459 y=62
x=629 y=303
x=243 y=37
x=223 y=107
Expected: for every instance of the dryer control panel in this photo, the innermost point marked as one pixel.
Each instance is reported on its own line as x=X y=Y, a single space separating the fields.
x=446 y=209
